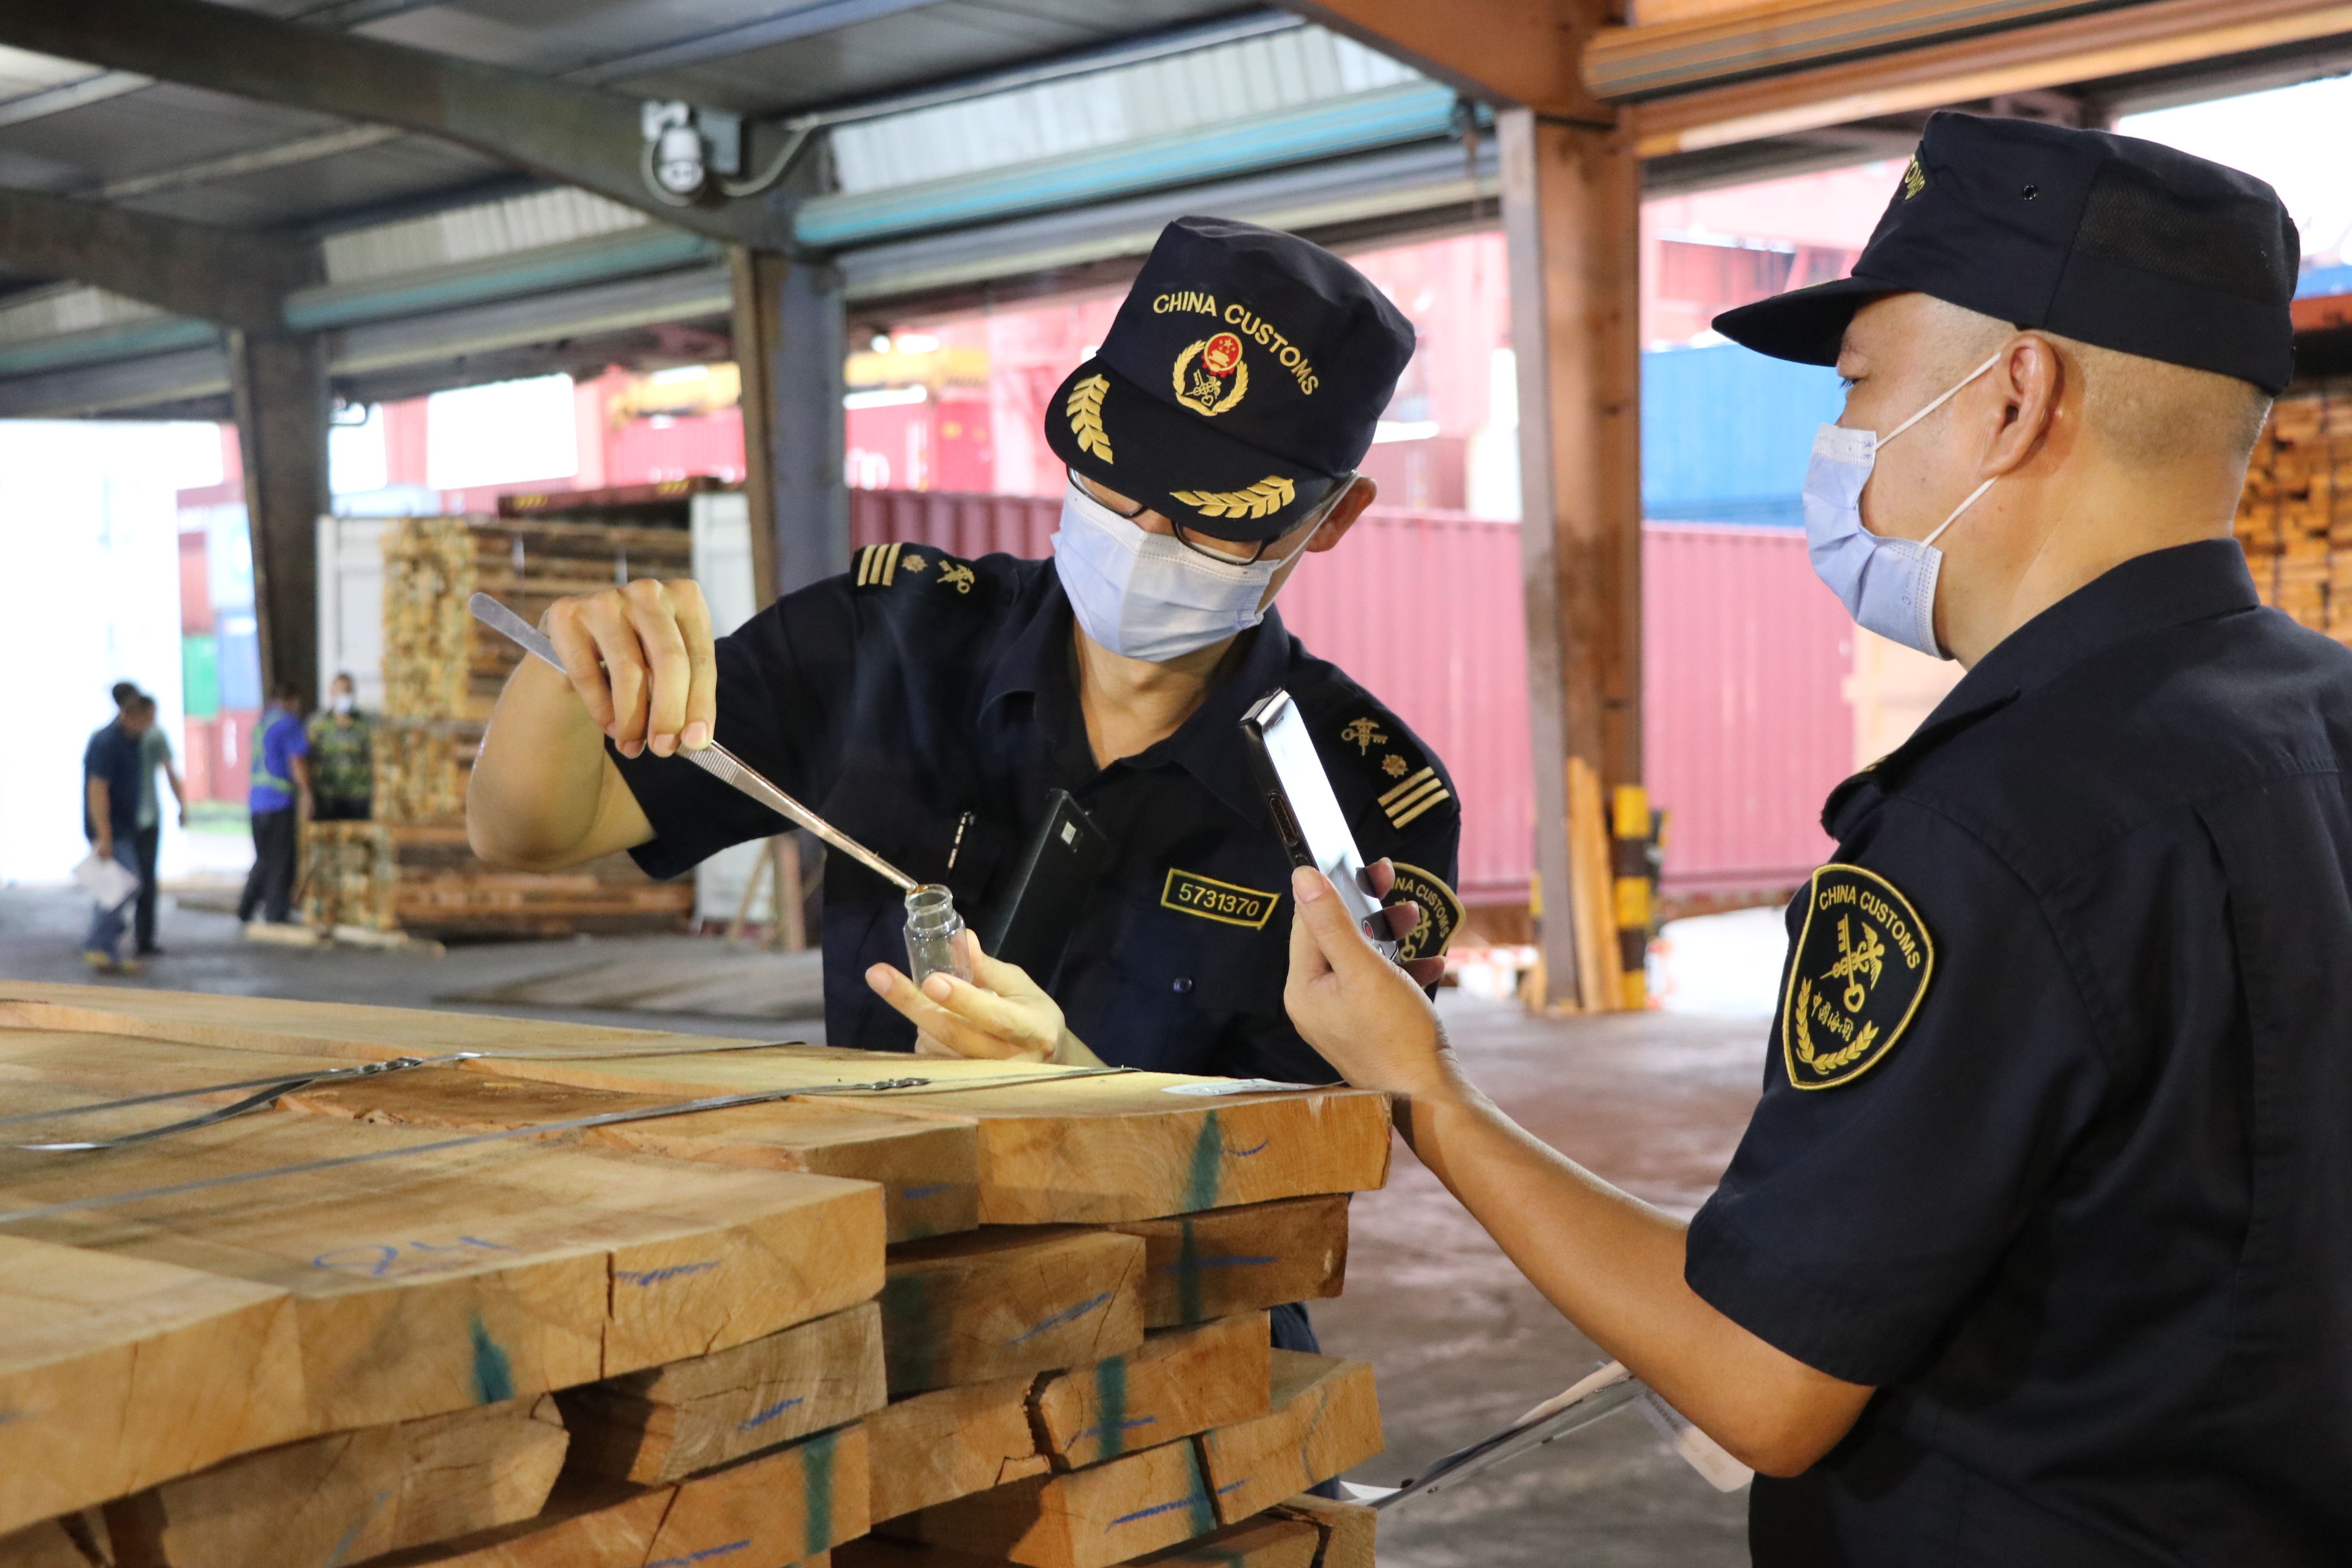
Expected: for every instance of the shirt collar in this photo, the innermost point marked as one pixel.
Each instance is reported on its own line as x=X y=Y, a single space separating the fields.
x=1207 y=745
x=2168 y=587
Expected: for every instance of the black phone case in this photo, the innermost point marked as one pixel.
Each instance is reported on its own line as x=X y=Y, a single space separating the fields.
x=1050 y=889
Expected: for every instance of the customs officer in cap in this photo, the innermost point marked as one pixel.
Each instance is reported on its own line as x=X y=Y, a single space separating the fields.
x=2038 y=1249
x=931 y=706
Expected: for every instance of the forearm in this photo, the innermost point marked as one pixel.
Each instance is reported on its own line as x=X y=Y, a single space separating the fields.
x=543 y=794
x=1614 y=1266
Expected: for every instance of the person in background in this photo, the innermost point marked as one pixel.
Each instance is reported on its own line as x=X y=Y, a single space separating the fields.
x=110 y=773
x=154 y=751
x=278 y=799
x=343 y=771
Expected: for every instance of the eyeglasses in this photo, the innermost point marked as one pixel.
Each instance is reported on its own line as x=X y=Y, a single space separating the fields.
x=1198 y=544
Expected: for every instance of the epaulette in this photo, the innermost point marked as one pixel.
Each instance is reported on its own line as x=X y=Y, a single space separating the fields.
x=893 y=566
x=1389 y=763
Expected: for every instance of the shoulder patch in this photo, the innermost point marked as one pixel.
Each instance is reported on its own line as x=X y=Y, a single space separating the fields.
x=1419 y=792
x=1441 y=912
x=885 y=565
x=1863 y=961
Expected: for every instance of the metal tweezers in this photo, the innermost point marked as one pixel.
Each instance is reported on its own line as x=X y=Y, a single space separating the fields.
x=714 y=759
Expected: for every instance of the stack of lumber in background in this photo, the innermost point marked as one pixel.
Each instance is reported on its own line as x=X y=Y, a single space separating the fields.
x=1020 y=1321
x=2295 y=518
x=443 y=670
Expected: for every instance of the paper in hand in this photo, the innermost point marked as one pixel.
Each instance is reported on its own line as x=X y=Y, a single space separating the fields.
x=104 y=878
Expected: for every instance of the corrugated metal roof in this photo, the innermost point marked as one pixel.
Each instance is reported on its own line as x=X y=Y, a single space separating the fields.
x=474 y=232
x=65 y=308
x=1187 y=93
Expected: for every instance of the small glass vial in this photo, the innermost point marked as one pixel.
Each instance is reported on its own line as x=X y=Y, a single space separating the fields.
x=934 y=935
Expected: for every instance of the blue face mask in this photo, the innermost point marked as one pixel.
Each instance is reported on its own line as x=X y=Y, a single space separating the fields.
x=1887 y=585
x=1148 y=596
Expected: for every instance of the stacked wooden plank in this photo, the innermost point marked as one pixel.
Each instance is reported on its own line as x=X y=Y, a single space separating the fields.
x=2295 y=518
x=411 y=868
x=997 y=1315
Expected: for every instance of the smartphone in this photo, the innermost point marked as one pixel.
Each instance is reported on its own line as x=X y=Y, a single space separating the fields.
x=1305 y=813
x=1051 y=887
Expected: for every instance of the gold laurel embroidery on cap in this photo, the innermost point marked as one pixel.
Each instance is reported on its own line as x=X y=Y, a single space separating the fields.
x=957 y=575
x=1206 y=391
x=1084 y=409
x=1914 y=178
x=1863 y=961
x=1270 y=494
x=1363 y=734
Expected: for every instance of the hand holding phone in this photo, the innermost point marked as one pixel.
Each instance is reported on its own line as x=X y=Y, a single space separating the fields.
x=1306 y=813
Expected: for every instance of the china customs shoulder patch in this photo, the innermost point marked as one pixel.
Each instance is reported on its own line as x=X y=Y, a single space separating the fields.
x=1861 y=969
x=1441 y=912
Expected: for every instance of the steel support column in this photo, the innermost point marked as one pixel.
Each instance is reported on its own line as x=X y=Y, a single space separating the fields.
x=278 y=385
x=1571 y=220
x=790 y=343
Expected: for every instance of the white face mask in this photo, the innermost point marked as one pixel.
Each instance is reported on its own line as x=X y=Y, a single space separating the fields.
x=1148 y=595
x=1888 y=586
x=340 y=702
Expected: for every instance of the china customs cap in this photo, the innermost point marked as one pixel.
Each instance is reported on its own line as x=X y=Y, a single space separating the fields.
x=2108 y=239
x=1242 y=378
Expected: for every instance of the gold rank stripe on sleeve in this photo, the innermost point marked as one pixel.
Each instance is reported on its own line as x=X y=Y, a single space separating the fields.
x=878 y=565
x=1416 y=795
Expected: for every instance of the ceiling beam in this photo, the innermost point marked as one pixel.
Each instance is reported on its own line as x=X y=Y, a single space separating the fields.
x=235 y=278
x=565 y=132
x=2018 y=60
x=1524 y=53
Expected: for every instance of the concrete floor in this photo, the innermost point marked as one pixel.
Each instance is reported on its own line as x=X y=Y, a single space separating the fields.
x=1654 y=1102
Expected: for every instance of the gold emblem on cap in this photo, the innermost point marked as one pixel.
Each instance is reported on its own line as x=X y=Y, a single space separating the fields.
x=1270 y=494
x=1211 y=376
x=1085 y=411
x=1914 y=178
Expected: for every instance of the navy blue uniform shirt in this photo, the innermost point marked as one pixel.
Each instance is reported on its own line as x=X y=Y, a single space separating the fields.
x=920 y=687
x=112 y=754
x=2055 y=1145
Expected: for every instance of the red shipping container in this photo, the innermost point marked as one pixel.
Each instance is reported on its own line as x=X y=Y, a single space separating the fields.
x=1745 y=724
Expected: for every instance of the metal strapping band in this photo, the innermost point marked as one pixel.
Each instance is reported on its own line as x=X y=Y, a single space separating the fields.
x=271 y=1088
x=607 y=1119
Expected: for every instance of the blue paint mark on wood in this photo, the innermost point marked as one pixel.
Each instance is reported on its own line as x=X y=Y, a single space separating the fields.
x=379 y=1259
x=343 y=1543
x=1067 y=1315
x=1232 y=1486
x=1111 y=1405
x=916 y=1195
x=1196 y=1500
x=1232 y=1261
x=816 y=1484
x=705 y=1555
x=911 y=1332
x=493 y=1373
x=1259 y=1147
x=1208 y=1158
x=644 y=1277
x=761 y=1417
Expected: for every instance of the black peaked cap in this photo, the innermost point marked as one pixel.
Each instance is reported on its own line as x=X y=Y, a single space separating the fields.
x=2109 y=239
x=1243 y=377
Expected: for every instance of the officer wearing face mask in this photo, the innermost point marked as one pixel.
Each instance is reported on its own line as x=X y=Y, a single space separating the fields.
x=2038 y=1249
x=929 y=706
